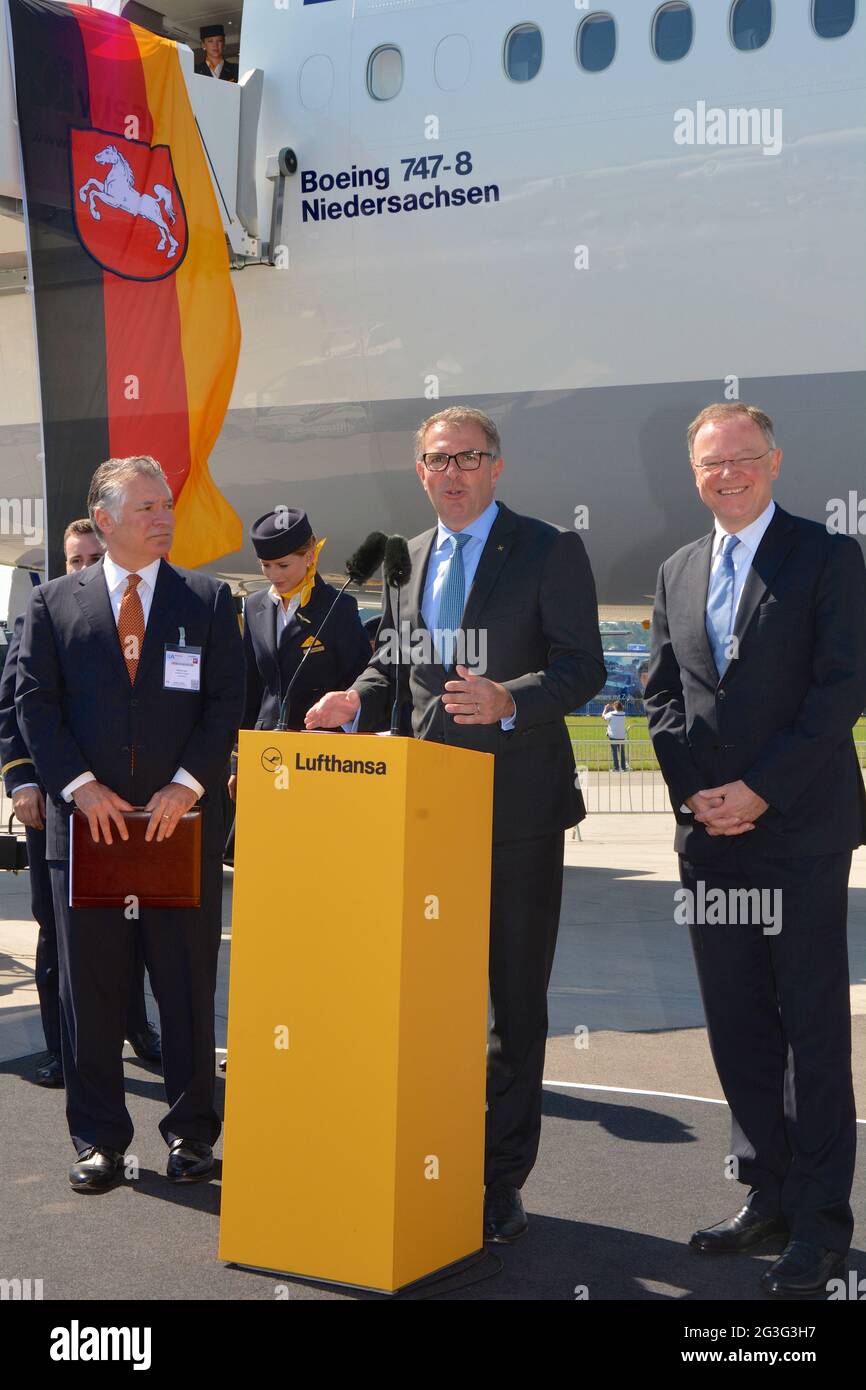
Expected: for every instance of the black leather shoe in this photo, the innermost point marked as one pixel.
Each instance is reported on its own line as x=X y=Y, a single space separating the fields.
x=96 y=1170
x=741 y=1232
x=223 y=1061
x=50 y=1072
x=189 y=1160
x=146 y=1045
x=504 y=1217
x=803 y=1270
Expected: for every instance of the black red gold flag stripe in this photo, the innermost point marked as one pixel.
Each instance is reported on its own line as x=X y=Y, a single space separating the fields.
x=137 y=328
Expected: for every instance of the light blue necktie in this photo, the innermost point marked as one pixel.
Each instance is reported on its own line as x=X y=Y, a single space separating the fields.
x=720 y=603
x=452 y=601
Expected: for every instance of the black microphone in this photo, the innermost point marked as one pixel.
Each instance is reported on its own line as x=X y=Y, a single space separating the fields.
x=367 y=558
x=359 y=567
x=397 y=573
x=398 y=566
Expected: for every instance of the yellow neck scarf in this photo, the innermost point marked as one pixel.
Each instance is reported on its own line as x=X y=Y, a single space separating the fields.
x=305 y=586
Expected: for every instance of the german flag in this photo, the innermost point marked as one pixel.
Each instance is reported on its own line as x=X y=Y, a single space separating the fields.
x=136 y=323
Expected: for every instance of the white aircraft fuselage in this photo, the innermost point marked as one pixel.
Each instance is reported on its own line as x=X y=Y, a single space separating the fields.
x=591 y=257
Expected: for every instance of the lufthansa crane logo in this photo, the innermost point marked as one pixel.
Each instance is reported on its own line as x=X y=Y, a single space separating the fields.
x=272 y=759
x=131 y=220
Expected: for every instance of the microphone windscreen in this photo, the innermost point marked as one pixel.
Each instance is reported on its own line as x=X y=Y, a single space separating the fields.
x=398 y=566
x=367 y=558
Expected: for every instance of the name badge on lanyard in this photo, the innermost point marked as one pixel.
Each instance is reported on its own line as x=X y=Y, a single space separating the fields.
x=182 y=669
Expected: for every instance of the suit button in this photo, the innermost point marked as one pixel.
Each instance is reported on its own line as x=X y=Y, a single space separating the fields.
x=125 y=748
x=721 y=695
x=133 y=703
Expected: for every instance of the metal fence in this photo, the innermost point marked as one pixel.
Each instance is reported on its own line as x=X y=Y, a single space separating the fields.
x=640 y=787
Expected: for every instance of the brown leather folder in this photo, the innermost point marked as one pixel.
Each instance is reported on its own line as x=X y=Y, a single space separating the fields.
x=159 y=874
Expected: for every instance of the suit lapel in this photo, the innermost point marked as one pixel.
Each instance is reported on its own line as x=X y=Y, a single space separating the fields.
x=772 y=551
x=697 y=582
x=92 y=595
x=493 y=557
x=293 y=627
x=412 y=597
x=304 y=621
x=165 y=617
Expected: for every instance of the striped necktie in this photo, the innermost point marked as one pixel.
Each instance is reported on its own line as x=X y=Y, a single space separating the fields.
x=452 y=601
x=720 y=604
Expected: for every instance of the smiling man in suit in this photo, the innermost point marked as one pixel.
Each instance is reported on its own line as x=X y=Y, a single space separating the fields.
x=757 y=676
x=525 y=589
x=109 y=729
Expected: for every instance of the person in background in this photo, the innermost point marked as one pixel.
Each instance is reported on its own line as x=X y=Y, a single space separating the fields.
x=280 y=626
x=614 y=716
x=281 y=623
x=82 y=548
x=213 y=64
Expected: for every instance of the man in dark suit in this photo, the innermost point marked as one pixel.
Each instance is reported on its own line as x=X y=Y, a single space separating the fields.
x=110 y=727
x=520 y=593
x=81 y=548
x=757 y=676
x=212 y=63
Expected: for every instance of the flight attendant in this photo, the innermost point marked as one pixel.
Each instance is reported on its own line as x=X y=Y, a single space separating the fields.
x=280 y=626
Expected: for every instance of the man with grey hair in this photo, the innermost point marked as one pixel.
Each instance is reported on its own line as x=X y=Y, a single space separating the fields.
x=81 y=548
x=111 y=727
x=757 y=676
x=528 y=588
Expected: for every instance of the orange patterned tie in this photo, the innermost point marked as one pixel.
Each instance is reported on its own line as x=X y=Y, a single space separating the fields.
x=130 y=625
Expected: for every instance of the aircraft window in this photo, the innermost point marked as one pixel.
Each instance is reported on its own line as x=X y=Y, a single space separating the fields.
x=452 y=62
x=523 y=52
x=832 y=18
x=596 y=42
x=751 y=22
x=385 y=73
x=673 y=28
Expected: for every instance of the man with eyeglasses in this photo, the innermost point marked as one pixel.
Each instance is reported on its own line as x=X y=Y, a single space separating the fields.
x=757 y=677
x=525 y=587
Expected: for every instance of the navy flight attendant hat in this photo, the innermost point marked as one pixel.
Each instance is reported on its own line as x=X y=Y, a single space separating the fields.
x=280 y=532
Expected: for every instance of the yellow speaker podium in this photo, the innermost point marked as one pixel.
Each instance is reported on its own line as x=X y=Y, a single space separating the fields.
x=355 y=1087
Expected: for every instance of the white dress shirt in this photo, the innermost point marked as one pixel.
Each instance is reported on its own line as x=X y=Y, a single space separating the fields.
x=284 y=613
x=478 y=532
x=115 y=580
x=743 y=554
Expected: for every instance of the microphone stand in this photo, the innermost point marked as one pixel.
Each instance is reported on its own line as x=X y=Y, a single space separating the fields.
x=282 y=722
x=397 y=707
